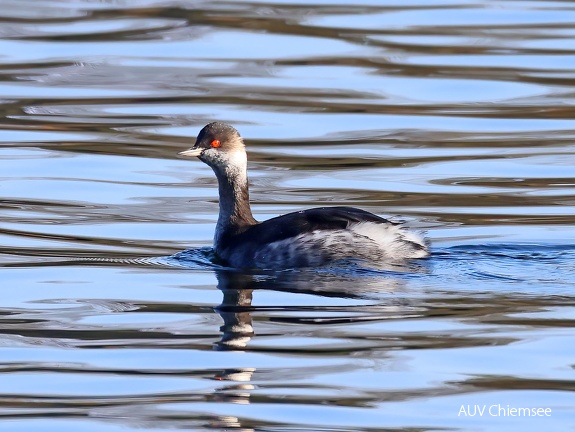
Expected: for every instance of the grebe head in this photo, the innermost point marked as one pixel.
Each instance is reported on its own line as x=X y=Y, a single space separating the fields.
x=220 y=146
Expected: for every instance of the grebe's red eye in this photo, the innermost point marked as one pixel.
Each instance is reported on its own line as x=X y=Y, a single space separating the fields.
x=216 y=143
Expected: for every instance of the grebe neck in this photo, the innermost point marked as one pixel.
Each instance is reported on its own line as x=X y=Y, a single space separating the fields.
x=235 y=212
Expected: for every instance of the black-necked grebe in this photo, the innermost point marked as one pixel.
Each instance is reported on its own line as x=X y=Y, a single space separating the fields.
x=306 y=238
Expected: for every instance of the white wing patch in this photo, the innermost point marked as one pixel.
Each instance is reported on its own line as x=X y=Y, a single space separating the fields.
x=364 y=240
x=394 y=241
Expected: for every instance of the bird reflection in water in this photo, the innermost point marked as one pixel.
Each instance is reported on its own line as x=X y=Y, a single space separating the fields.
x=236 y=307
x=236 y=310
x=238 y=289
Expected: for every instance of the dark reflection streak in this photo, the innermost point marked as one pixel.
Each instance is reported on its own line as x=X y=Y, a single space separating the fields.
x=504 y=219
x=19 y=66
x=411 y=48
x=532 y=322
x=94 y=37
x=499 y=73
x=330 y=164
x=515 y=383
x=84 y=122
x=310 y=104
x=435 y=200
x=279 y=19
x=500 y=382
x=147 y=245
x=86 y=335
x=6 y=368
x=369 y=398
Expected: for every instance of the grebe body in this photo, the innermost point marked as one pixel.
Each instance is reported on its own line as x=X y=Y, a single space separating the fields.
x=307 y=238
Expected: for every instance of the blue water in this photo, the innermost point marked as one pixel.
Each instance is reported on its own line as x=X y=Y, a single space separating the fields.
x=453 y=116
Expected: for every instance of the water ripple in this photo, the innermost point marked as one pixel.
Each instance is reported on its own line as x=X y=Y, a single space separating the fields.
x=453 y=115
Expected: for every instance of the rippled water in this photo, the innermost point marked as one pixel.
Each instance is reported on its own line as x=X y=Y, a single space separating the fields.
x=453 y=115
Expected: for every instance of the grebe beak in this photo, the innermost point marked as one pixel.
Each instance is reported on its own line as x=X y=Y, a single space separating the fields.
x=194 y=151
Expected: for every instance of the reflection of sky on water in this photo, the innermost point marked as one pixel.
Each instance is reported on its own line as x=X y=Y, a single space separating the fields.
x=453 y=115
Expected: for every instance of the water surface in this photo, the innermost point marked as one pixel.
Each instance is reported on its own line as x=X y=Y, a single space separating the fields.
x=454 y=116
